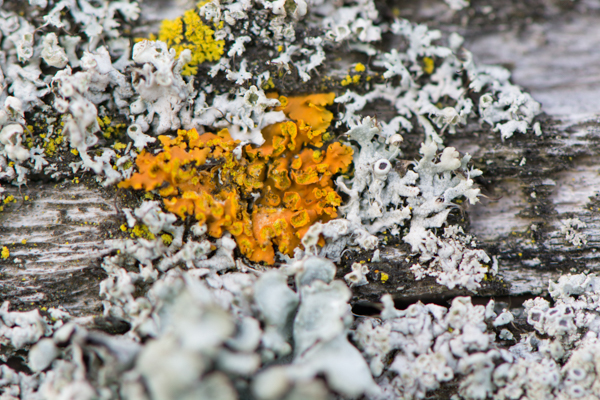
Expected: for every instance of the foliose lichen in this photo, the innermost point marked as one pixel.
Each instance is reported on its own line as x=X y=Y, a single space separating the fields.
x=217 y=179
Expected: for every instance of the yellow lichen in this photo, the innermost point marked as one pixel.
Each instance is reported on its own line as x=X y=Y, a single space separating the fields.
x=167 y=239
x=384 y=277
x=428 y=65
x=10 y=198
x=50 y=148
x=350 y=80
x=359 y=67
x=269 y=84
x=142 y=231
x=119 y=146
x=189 y=32
x=199 y=175
x=109 y=128
x=5 y=253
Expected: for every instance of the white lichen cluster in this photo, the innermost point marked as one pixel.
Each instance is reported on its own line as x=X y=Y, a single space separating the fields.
x=562 y=362
x=12 y=119
x=162 y=91
x=21 y=328
x=380 y=199
x=428 y=345
x=244 y=116
x=24 y=87
x=206 y=335
x=570 y=228
x=420 y=91
x=431 y=344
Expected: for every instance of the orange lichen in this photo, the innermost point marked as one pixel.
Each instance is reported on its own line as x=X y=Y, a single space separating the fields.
x=198 y=175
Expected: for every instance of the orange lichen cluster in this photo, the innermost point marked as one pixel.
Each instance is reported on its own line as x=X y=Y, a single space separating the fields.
x=199 y=175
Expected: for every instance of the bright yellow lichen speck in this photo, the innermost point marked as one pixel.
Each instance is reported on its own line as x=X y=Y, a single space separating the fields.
x=189 y=32
x=167 y=239
x=360 y=67
x=143 y=232
x=50 y=148
x=350 y=79
x=269 y=84
x=119 y=146
x=384 y=277
x=5 y=253
x=428 y=65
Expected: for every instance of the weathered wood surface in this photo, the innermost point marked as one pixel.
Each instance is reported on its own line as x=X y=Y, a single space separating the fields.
x=532 y=183
x=558 y=61
x=56 y=243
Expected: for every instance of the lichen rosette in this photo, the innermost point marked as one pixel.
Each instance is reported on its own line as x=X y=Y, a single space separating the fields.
x=266 y=196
